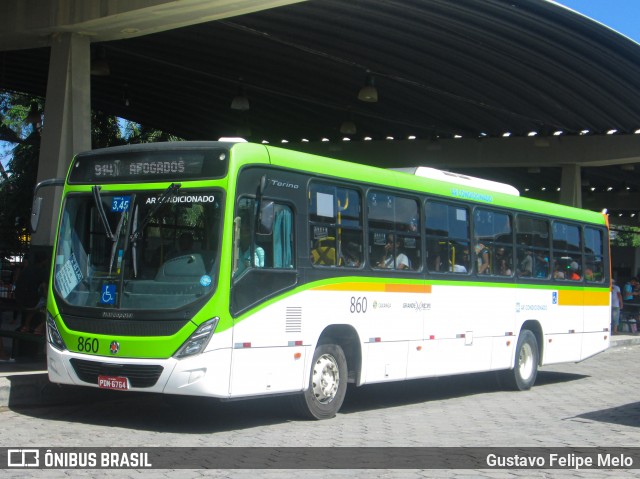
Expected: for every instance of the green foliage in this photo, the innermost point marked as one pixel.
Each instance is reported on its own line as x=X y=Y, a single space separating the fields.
x=625 y=236
x=19 y=179
x=105 y=131
x=14 y=110
x=16 y=196
x=136 y=133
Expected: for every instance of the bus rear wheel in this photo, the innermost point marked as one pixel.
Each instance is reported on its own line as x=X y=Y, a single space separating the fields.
x=327 y=384
x=523 y=375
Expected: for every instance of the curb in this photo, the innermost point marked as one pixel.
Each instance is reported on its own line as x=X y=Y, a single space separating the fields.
x=35 y=389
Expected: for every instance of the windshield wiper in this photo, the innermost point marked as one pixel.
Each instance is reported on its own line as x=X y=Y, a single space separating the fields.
x=134 y=245
x=95 y=189
x=114 y=247
x=169 y=193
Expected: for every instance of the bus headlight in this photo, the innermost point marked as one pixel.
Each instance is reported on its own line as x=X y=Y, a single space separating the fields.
x=198 y=340
x=53 y=335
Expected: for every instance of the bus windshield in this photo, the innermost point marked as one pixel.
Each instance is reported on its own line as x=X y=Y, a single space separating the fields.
x=151 y=249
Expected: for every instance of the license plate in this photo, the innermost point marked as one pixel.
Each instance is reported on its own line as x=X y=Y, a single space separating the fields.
x=113 y=382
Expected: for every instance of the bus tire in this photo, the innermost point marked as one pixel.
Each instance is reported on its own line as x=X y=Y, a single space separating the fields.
x=524 y=372
x=327 y=384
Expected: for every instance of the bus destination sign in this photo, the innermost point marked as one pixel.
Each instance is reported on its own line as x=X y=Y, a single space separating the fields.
x=141 y=166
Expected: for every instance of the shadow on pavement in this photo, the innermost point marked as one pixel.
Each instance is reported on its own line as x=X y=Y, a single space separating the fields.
x=626 y=415
x=189 y=415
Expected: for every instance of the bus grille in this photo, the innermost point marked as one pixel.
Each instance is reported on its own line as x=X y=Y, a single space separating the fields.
x=139 y=375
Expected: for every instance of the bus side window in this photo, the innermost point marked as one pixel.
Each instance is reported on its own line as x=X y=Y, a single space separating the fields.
x=594 y=255
x=335 y=226
x=567 y=251
x=532 y=243
x=447 y=230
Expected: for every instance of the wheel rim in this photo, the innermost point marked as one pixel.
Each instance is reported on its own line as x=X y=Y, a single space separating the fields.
x=325 y=379
x=525 y=361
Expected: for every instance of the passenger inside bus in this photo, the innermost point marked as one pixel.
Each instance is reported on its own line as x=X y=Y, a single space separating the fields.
x=394 y=247
x=482 y=255
x=574 y=271
x=502 y=262
x=525 y=268
x=351 y=255
x=245 y=260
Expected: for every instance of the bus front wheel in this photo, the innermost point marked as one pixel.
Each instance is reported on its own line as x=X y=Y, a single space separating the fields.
x=523 y=375
x=327 y=384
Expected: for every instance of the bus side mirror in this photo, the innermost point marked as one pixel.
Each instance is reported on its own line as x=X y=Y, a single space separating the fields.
x=37 y=200
x=35 y=213
x=265 y=218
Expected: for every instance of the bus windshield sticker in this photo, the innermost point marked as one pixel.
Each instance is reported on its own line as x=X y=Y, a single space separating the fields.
x=325 y=204
x=108 y=294
x=120 y=204
x=205 y=280
x=68 y=277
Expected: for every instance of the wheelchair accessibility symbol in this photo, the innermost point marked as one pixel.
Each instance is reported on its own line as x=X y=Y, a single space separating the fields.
x=108 y=295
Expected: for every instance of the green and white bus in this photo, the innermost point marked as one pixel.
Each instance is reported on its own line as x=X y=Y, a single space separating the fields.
x=234 y=270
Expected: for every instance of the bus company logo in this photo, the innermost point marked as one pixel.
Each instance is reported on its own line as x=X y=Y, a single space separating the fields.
x=114 y=347
x=381 y=305
x=471 y=195
x=417 y=306
x=530 y=307
x=116 y=315
x=284 y=184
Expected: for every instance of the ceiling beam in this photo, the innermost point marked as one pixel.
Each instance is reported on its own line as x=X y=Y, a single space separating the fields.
x=31 y=23
x=584 y=151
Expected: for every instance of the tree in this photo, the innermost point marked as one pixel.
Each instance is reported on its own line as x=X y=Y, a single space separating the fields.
x=20 y=124
x=136 y=133
x=625 y=236
x=20 y=127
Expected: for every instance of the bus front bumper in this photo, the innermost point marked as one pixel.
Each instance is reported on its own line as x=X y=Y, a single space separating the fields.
x=205 y=374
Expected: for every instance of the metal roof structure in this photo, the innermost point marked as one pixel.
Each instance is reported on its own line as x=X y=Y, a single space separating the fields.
x=443 y=69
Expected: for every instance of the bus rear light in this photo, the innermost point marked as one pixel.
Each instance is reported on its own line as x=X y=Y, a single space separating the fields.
x=375 y=340
x=198 y=340
x=433 y=336
x=508 y=333
x=53 y=335
x=294 y=343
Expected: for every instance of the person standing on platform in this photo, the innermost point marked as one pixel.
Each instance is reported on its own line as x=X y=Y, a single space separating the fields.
x=616 y=306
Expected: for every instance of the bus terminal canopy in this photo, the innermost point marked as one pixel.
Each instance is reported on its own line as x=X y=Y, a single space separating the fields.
x=292 y=70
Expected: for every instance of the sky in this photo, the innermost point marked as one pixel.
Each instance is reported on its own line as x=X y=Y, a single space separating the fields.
x=620 y=15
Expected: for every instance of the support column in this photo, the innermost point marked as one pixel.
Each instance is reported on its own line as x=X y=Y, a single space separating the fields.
x=67 y=123
x=571 y=186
